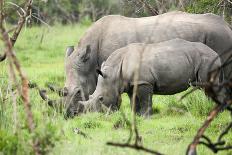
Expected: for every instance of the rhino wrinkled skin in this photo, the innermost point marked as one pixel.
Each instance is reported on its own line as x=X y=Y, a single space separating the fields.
x=113 y=32
x=165 y=68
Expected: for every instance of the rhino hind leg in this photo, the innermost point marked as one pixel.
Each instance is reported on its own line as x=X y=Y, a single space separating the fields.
x=143 y=103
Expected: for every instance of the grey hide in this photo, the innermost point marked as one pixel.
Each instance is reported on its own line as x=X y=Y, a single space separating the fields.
x=165 y=68
x=113 y=32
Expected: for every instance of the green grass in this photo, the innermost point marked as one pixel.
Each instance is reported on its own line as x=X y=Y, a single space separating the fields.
x=41 y=51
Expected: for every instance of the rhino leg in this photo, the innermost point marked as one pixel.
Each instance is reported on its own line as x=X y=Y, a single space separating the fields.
x=137 y=105
x=227 y=59
x=143 y=103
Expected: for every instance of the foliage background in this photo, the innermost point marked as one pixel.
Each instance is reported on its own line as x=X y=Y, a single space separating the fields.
x=71 y=11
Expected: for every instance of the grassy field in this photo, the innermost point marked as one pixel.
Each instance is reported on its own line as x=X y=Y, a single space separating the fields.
x=41 y=51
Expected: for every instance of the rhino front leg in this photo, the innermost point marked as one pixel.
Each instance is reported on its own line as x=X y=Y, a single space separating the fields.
x=143 y=103
x=144 y=94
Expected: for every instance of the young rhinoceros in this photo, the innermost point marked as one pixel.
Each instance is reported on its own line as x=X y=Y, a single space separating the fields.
x=165 y=68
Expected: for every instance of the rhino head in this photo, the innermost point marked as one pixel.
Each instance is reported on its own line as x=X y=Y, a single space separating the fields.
x=106 y=95
x=81 y=77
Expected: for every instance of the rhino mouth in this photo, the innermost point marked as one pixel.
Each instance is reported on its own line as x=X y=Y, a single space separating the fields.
x=74 y=110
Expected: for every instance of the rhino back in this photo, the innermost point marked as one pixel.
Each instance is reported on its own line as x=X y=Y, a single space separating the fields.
x=206 y=28
x=168 y=66
x=114 y=31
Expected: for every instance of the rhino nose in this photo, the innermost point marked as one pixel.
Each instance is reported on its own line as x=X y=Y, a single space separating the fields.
x=63 y=92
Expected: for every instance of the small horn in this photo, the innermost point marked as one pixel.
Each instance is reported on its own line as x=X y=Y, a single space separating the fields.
x=2 y=57
x=69 y=50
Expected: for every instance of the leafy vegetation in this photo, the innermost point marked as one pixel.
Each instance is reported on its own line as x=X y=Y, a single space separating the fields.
x=41 y=51
x=71 y=11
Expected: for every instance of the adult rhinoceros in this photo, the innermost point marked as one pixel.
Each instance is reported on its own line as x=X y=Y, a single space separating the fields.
x=162 y=68
x=113 y=32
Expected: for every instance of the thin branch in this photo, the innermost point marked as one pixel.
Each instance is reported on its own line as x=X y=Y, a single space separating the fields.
x=136 y=147
x=189 y=92
x=42 y=21
x=135 y=89
x=229 y=1
x=18 y=7
x=192 y=147
x=21 y=21
x=149 y=7
x=225 y=132
x=78 y=131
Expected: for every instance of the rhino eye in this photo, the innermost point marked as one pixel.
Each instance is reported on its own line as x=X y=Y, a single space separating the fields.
x=100 y=98
x=78 y=92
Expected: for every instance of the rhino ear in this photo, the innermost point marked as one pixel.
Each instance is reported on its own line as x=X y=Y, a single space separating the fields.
x=69 y=50
x=86 y=54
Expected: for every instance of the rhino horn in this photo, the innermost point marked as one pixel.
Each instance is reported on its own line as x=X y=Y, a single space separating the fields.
x=69 y=50
x=2 y=57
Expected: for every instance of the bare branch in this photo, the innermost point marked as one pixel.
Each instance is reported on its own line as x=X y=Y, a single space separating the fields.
x=229 y=1
x=219 y=145
x=148 y=6
x=192 y=147
x=42 y=21
x=136 y=147
x=21 y=21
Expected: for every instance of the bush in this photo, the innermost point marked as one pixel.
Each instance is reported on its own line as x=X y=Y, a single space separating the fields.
x=70 y=11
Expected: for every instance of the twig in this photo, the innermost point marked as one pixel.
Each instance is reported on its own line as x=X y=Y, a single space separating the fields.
x=21 y=21
x=192 y=147
x=136 y=147
x=225 y=132
x=148 y=6
x=135 y=89
x=215 y=146
x=41 y=20
x=189 y=92
x=229 y=1
x=78 y=131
